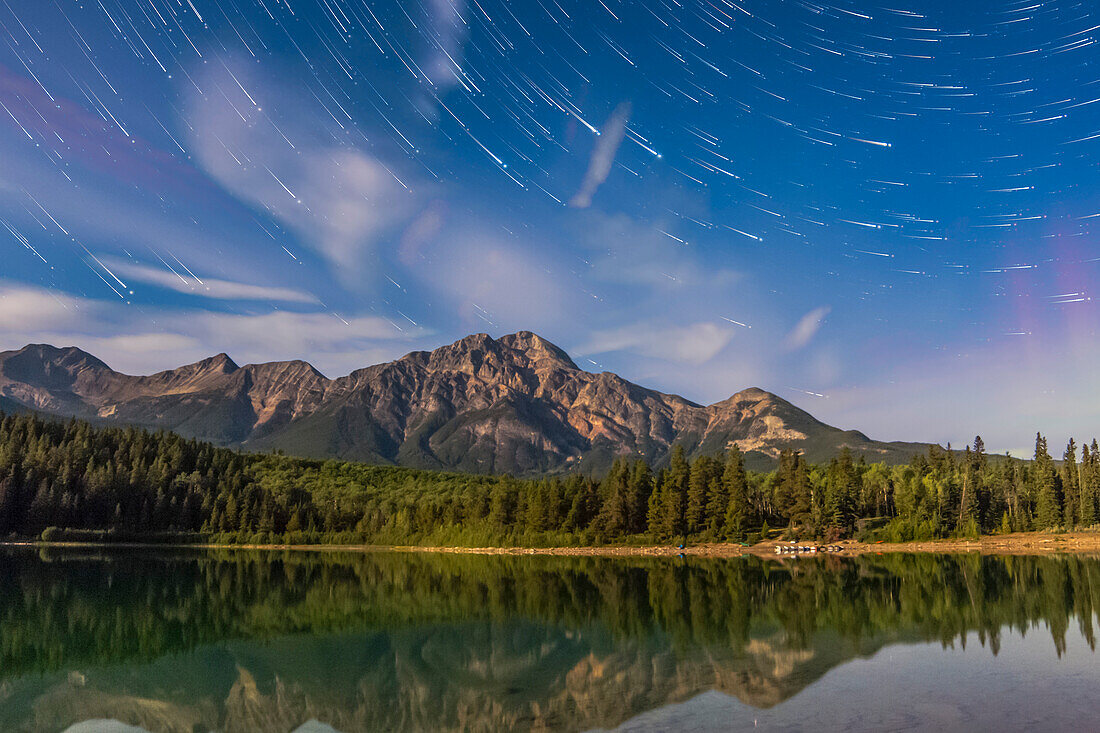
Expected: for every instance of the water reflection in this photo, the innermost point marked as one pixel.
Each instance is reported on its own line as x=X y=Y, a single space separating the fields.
x=257 y=642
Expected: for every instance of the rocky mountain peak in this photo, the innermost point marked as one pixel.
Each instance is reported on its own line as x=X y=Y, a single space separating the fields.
x=287 y=370
x=515 y=404
x=470 y=355
x=483 y=356
x=218 y=364
x=538 y=350
x=200 y=375
x=50 y=366
x=66 y=356
x=752 y=399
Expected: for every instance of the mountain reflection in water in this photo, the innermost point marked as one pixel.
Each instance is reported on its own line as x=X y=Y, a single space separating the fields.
x=254 y=641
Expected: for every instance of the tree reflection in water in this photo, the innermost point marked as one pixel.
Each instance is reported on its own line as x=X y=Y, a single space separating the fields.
x=245 y=641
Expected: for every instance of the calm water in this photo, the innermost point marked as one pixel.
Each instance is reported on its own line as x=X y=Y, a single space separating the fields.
x=252 y=641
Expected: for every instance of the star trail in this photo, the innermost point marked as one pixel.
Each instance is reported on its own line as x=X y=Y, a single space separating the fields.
x=849 y=204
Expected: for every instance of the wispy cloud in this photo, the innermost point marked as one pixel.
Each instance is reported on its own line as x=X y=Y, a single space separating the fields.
x=603 y=156
x=114 y=192
x=206 y=287
x=806 y=328
x=336 y=197
x=144 y=340
x=492 y=281
x=695 y=343
x=449 y=32
x=640 y=255
x=30 y=309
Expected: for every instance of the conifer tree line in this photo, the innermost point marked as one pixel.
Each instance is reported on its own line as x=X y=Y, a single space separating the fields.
x=73 y=480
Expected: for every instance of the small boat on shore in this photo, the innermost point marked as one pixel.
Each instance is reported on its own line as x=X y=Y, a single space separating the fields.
x=797 y=549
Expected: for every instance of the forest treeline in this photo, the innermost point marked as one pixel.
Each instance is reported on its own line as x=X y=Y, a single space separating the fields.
x=72 y=480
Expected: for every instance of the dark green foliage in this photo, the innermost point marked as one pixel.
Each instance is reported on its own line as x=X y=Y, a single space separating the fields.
x=971 y=488
x=1071 y=492
x=1090 y=484
x=677 y=479
x=735 y=488
x=74 y=481
x=1048 y=509
x=702 y=480
x=792 y=487
x=615 y=514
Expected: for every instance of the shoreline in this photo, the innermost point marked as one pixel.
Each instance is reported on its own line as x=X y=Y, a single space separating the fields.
x=1020 y=543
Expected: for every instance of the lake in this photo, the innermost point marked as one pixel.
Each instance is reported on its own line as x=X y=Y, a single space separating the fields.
x=129 y=640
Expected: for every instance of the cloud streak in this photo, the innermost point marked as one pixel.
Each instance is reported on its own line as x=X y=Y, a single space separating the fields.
x=337 y=198
x=449 y=34
x=806 y=328
x=144 y=340
x=603 y=156
x=695 y=343
x=207 y=287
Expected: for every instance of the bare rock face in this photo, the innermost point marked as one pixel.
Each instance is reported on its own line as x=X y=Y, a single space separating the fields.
x=516 y=404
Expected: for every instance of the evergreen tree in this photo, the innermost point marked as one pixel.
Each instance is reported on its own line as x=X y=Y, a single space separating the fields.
x=1090 y=484
x=655 y=508
x=718 y=501
x=584 y=509
x=501 y=509
x=736 y=486
x=1070 y=485
x=676 y=494
x=80 y=478
x=9 y=518
x=977 y=456
x=797 y=477
x=1048 y=509
x=537 y=509
x=615 y=516
x=701 y=478
x=968 y=504
x=641 y=487
x=838 y=504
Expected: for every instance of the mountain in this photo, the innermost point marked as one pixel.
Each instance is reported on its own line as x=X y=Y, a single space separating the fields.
x=517 y=404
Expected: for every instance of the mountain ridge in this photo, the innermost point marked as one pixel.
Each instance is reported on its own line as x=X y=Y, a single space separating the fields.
x=515 y=404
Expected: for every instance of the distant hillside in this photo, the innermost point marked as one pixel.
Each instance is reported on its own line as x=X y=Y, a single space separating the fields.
x=517 y=404
x=9 y=405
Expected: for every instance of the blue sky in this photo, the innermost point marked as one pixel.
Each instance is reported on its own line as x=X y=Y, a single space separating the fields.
x=882 y=213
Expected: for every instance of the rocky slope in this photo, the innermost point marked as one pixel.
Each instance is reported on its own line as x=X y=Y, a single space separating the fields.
x=516 y=404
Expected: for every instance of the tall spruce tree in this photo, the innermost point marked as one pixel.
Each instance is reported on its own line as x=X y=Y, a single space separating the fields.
x=1090 y=484
x=735 y=483
x=968 y=521
x=702 y=472
x=977 y=456
x=615 y=513
x=1048 y=509
x=718 y=501
x=678 y=479
x=641 y=486
x=839 y=504
x=1071 y=490
x=800 y=491
x=655 y=508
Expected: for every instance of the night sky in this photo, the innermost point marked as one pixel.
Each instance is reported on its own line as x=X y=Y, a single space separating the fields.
x=885 y=213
